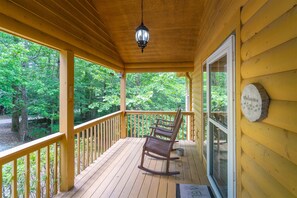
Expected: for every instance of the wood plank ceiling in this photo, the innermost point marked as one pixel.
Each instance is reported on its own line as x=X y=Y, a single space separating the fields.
x=103 y=31
x=173 y=26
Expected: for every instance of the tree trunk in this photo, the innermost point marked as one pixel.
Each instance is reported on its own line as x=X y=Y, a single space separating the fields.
x=15 y=122
x=52 y=120
x=24 y=115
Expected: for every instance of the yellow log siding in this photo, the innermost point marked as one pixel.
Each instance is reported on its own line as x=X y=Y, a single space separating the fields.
x=272 y=10
x=279 y=59
x=269 y=151
x=279 y=31
x=197 y=106
x=266 y=46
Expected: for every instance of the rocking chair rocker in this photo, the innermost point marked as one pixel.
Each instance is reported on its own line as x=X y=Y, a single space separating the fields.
x=160 y=149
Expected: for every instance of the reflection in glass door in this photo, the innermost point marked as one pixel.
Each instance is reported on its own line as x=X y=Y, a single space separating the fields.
x=220 y=108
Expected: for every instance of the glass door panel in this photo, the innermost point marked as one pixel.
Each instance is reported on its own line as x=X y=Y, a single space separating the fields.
x=218 y=91
x=219 y=157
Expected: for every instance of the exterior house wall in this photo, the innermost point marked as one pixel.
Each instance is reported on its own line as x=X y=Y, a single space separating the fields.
x=266 y=49
x=268 y=53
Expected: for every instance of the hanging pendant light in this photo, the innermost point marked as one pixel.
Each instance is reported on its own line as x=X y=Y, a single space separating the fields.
x=142 y=35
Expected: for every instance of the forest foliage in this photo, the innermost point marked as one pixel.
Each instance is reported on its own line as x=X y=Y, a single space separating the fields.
x=29 y=88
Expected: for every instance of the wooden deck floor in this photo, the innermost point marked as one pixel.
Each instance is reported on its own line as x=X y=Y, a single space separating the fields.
x=115 y=173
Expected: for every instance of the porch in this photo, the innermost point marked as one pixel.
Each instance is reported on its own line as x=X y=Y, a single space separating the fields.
x=115 y=173
x=105 y=164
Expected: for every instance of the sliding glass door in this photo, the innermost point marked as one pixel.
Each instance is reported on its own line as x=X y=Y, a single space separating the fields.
x=220 y=108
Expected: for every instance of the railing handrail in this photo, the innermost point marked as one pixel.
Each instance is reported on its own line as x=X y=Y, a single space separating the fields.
x=158 y=112
x=29 y=147
x=86 y=125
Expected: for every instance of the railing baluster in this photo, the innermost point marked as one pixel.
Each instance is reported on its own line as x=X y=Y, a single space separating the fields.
x=183 y=128
x=116 y=128
x=110 y=133
x=130 y=118
x=15 y=179
x=114 y=132
x=119 y=127
x=138 y=129
x=88 y=147
x=134 y=127
x=83 y=150
x=107 y=134
x=192 y=128
x=94 y=143
x=1 y=179
x=151 y=117
x=27 y=176
x=38 y=173
x=59 y=166
x=98 y=140
x=56 y=167
x=91 y=141
x=78 y=153
x=101 y=139
x=142 y=124
x=103 y=136
x=47 y=172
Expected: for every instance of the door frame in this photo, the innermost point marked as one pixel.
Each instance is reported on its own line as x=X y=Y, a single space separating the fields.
x=227 y=48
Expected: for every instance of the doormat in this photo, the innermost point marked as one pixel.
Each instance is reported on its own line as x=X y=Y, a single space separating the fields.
x=193 y=191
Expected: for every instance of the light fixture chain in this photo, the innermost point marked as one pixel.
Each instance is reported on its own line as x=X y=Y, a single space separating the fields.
x=141 y=11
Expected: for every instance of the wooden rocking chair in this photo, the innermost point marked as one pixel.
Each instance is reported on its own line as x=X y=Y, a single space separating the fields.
x=160 y=149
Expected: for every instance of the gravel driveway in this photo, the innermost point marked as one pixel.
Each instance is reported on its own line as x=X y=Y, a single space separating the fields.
x=8 y=139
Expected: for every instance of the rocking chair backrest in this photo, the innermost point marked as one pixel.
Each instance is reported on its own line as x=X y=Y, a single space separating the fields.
x=176 y=128
x=178 y=113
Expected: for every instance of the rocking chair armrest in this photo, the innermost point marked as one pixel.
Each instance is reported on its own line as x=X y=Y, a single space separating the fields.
x=161 y=129
x=165 y=125
x=162 y=120
x=153 y=137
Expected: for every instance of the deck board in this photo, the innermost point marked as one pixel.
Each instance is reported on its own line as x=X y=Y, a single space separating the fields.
x=116 y=173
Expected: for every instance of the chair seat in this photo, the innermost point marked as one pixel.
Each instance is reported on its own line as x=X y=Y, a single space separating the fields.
x=157 y=146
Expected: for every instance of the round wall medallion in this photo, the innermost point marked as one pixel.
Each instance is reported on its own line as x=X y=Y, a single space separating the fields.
x=254 y=102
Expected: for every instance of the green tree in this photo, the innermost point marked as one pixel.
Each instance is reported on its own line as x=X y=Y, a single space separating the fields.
x=155 y=91
x=29 y=81
x=96 y=91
